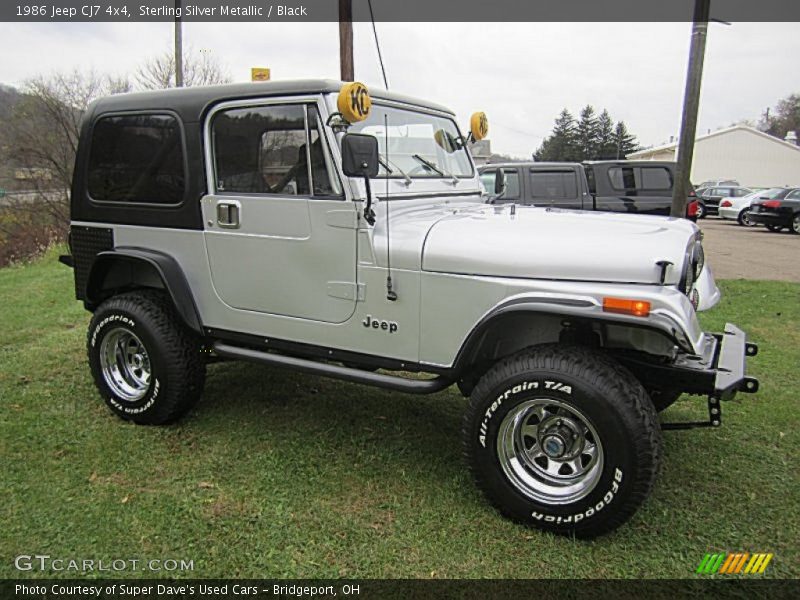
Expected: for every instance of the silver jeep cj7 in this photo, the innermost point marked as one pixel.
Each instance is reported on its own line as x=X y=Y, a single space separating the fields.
x=313 y=226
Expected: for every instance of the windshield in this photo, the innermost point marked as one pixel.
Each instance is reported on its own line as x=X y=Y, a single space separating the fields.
x=420 y=145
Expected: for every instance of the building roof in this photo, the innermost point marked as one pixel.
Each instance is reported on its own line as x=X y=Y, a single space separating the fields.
x=192 y=102
x=674 y=145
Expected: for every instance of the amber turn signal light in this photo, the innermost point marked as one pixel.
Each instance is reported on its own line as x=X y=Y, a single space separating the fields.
x=626 y=306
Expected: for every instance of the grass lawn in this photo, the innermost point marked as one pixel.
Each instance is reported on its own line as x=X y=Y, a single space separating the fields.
x=276 y=474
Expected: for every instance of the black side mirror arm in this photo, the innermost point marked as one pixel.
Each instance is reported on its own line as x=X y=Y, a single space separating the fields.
x=369 y=214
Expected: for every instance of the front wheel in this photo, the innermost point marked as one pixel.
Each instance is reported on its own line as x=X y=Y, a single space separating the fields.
x=148 y=367
x=701 y=210
x=796 y=223
x=564 y=439
x=744 y=219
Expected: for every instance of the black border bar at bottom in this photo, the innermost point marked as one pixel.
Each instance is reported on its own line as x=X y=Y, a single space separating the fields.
x=407 y=589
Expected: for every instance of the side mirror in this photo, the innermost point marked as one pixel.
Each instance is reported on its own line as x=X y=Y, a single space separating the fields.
x=360 y=155
x=500 y=183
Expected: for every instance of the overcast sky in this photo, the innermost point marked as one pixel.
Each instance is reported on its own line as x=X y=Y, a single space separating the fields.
x=520 y=74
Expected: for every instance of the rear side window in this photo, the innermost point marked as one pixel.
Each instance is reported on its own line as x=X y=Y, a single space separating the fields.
x=640 y=178
x=553 y=185
x=137 y=158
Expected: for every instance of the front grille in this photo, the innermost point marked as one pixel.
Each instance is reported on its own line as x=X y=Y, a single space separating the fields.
x=86 y=243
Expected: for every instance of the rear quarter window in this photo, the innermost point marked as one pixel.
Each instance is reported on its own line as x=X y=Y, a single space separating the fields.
x=137 y=158
x=640 y=178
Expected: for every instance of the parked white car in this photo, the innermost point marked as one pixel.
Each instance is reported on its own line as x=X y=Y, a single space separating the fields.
x=738 y=209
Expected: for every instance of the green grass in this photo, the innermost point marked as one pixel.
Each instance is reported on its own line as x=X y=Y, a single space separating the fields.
x=276 y=474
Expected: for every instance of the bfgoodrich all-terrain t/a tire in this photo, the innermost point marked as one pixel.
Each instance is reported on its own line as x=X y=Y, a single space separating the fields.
x=563 y=438
x=145 y=363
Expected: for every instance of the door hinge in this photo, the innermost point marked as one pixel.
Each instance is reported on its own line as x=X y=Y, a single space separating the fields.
x=345 y=219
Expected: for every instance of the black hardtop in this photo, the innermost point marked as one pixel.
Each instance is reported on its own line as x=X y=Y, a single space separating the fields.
x=191 y=103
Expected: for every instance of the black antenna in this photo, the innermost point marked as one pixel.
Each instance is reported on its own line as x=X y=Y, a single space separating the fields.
x=390 y=293
x=377 y=44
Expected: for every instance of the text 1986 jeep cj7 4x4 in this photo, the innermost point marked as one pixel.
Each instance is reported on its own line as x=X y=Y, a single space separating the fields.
x=307 y=225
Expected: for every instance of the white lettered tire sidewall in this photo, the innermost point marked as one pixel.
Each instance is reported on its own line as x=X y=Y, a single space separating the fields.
x=617 y=491
x=102 y=325
x=177 y=371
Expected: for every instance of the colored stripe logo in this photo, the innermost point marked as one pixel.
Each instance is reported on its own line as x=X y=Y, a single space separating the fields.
x=734 y=563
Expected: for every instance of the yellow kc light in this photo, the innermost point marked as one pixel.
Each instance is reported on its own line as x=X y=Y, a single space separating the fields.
x=479 y=125
x=354 y=102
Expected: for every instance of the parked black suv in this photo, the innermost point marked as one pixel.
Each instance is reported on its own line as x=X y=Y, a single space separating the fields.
x=643 y=187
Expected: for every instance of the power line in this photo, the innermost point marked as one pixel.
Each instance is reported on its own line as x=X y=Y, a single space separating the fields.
x=377 y=44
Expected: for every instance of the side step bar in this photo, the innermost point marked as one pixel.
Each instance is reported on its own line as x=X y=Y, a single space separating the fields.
x=389 y=382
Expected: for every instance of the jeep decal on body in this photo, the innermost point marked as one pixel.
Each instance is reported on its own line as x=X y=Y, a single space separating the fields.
x=382 y=324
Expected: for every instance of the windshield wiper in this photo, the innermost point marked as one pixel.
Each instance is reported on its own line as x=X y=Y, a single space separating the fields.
x=441 y=171
x=389 y=170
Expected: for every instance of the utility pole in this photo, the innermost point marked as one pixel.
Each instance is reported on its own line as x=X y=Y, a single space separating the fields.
x=346 y=39
x=691 y=102
x=178 y=46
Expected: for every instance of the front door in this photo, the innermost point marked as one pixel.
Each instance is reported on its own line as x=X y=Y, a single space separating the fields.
x=280 y=237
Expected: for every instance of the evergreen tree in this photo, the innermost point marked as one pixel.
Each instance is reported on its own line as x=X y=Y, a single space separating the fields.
x=624 y=142
x=586 y=134
x=561 y=144
x=606 y=146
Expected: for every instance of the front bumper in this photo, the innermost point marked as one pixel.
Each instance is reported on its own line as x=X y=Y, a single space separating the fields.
x=719 y=372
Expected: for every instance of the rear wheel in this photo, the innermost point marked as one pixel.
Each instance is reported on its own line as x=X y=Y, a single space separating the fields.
x=701 y=210
x=147 y=366
x=773 y=228
x=563 y=438
x=744 y=219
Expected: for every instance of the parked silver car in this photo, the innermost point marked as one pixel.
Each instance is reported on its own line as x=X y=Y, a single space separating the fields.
x=737 y=208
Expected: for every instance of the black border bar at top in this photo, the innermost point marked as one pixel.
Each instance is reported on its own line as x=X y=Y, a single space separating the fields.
x=479 y=11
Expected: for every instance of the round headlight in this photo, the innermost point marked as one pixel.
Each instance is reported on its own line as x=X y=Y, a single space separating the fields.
x=687 y=277
x=699 y=259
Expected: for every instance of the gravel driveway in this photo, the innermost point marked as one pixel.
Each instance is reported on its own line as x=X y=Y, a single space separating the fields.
x=736 y=252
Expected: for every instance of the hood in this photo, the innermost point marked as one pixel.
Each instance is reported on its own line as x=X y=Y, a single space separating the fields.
x=547 y=243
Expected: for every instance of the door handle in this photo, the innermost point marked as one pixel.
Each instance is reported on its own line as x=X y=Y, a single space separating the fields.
x=228 y=215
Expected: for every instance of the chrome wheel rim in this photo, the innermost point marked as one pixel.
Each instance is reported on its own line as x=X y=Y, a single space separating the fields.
x=746 y=219
x=125 y=364
x=550 y=451
x=796 y=224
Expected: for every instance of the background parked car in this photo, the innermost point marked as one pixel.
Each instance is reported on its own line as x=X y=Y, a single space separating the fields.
x=777 y=214
x=710 y=198
x=738 y=208
x=717 y=183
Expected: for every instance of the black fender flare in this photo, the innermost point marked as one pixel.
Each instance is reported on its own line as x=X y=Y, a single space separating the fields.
x=167 y=268
x=566 y=308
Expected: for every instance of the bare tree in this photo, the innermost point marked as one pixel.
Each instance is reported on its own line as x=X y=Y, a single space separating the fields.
x=199 y=68
x=42 y=136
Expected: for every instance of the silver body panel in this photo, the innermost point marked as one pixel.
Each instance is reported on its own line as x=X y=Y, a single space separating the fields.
x=312 y=271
